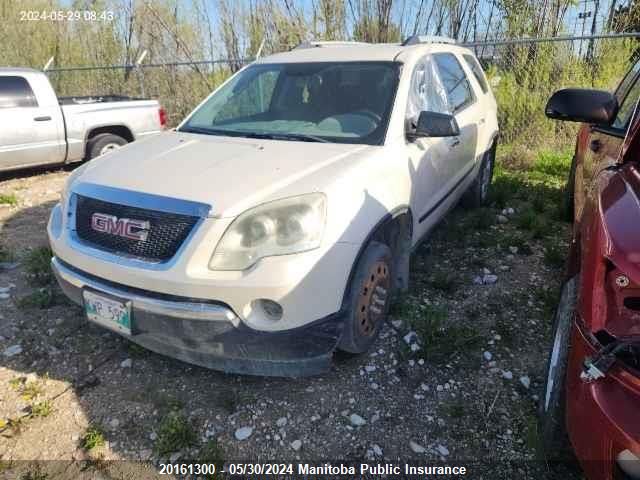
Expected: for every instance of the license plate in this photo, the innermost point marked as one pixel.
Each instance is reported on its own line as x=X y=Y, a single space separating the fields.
x=108 y=311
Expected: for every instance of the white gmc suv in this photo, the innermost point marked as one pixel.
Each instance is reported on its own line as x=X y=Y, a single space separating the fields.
x=275 y=223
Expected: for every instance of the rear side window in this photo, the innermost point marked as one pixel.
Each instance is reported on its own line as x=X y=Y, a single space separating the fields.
x=454 y=80
x=475 y=67
x=16 y=92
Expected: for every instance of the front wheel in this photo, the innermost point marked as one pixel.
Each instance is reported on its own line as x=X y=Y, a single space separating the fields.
x=369 y=299
x=552 y=429
x=478 y=192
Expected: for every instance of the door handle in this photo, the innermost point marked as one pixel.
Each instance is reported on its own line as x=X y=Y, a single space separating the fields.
x=455 y=142
x=42 y=119
x=481 y=121
x=595 y=145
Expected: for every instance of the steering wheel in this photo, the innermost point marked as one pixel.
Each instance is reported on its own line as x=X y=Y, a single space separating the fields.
x=369 y=114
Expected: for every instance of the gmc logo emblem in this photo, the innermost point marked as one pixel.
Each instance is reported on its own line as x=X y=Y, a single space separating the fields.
x=122 y=227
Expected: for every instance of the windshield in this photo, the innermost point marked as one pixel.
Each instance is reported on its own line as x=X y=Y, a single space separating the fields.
x=345 y=102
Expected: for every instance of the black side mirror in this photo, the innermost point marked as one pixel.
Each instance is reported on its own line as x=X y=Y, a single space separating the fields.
x=432 y=124
x=582 y=105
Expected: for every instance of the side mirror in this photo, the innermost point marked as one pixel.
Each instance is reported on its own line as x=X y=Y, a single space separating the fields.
x=432 y=124
x=582 y=105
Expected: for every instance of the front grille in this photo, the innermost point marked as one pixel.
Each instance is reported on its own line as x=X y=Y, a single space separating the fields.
x=167 y=231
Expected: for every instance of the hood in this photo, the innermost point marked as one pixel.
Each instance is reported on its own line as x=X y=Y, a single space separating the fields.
x=229 y=174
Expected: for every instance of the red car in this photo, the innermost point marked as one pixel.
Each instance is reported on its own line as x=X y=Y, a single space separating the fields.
x=592 y=393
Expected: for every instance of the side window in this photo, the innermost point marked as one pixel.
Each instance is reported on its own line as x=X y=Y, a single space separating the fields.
x=475 y=67
x=16 y=92
x=627 y=107
x=426 y=93
x=454 y=80
x=627 y=81
x=252 y=99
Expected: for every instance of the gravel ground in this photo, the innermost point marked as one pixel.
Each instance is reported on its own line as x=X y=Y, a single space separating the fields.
x=462 y=389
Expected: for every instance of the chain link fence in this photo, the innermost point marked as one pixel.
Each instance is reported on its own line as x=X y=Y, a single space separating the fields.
x=523 y=74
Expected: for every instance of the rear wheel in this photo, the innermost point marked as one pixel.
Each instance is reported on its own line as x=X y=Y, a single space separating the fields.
x=478 y=192
x=552 y=426
x=104 y=143
x=369 y=299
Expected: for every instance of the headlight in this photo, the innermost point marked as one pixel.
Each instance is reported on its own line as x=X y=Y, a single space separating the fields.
x=290 y=225
x=66 y=189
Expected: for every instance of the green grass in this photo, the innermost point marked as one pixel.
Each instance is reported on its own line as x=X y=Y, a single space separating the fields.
x=8 y=199
x=440 y=339
x=93 y=438
x=38 y=266
x=174 y=433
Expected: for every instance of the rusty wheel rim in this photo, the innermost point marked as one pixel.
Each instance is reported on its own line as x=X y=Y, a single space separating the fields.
x=373 y=298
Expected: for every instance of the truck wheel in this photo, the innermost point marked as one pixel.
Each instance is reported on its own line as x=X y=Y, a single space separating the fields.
x=369 y=299
x=552 y=426
x=104 y=143
x=477 y=194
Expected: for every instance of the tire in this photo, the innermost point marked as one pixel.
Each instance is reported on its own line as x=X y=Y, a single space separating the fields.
x=570 y=193
x=101 y=144
x=552 y=419
x=369 y=299
x=478 y=191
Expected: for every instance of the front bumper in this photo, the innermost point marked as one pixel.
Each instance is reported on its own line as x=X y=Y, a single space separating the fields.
x=602 y=416
x=209 y=333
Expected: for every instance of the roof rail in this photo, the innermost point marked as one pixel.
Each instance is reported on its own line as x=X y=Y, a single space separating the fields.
x=417 y=39
x=326 y=43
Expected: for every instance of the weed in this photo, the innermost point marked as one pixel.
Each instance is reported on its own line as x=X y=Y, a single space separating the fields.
x=549 y=299
x=554 y=255
x=31 y=390
x=444 y=281
x=168 y=403
x=8 y=199
x=211 y=453
x=17 y=382
x=36 y=474
x=174 y=433
x=38 y=266
x=455 y=410
x=93 y=438
x=539 y=203
x=526 y=220
x=136 y=350
x=42 y=409
x=482 y=219
x=6 y=255
x=504 y=327
x=42 y=298
x=15 y=425
x=441 y=341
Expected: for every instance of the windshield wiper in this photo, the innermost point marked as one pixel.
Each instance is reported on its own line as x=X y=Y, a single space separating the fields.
x=210 y=131
x=288 y=136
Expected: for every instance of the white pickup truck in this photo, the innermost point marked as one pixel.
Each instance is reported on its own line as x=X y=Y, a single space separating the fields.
x=276 y=222
x=38 y=128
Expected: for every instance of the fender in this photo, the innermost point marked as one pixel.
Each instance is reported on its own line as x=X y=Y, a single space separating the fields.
x=377 y=228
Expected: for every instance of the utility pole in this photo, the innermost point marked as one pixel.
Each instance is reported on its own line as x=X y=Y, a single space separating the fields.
x=583 y=15
x=593 y=30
